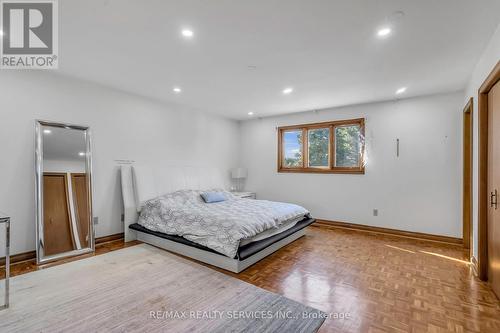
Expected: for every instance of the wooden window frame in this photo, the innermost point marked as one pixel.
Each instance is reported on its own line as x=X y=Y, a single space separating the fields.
x=332 y=125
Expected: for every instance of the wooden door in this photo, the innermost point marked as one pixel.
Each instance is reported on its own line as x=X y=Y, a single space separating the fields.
x=57 y=234
x=494 y=187
x=82 y=209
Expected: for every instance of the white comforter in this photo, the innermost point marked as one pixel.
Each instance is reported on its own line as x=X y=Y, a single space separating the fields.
x=219 y=226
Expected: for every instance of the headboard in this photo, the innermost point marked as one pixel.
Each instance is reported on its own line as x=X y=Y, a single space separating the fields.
x=141 y=183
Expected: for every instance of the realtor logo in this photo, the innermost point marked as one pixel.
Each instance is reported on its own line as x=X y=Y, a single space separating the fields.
x=29 y=34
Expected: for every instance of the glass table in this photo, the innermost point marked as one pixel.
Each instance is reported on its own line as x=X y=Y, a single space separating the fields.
x=4 y=219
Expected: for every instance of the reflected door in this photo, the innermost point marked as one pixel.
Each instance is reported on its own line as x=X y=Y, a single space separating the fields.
x=57 y=227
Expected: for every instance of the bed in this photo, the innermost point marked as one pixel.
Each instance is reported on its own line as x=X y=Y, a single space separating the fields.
x=153 y=196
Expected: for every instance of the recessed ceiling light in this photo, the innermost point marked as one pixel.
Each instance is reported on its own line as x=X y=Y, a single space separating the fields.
x=384 y=32
x=177 y=90
x=401 y=90
x=81 y=153
x=250 y=113
x=47 y=131
x=287 y=91
x=1 y=33
x=187 y=33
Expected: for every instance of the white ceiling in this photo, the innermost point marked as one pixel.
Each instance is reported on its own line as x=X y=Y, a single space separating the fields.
x=327 y=50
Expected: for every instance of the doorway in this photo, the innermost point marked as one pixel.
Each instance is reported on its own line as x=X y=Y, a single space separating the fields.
x=467 y=177
x=489 y=180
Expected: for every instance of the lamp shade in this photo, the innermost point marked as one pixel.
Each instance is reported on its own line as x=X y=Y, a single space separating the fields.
x=238 y=173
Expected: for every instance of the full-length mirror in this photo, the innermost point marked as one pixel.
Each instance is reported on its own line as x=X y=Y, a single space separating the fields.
x=64 y=191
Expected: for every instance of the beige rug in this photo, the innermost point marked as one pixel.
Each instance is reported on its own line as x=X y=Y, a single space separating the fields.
x=145 y=289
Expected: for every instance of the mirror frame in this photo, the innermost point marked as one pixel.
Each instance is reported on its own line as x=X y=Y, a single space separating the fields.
x=41 y=258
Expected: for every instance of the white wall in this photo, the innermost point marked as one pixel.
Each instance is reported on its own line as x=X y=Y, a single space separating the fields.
x=73 y=166
x=419 y=191
x=123 y=127
x=485 y=65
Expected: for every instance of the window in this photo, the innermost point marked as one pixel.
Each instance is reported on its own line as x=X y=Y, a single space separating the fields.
x=318 y=141
x=347 y=146
x=292 y=148
x=330 y=147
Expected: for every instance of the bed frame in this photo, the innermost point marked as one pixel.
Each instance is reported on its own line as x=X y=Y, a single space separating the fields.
x=143 y=183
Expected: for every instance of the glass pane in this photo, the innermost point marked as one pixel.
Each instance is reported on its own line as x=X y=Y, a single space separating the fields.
x=319 y=143
x=292 y=149
x=347 y=146
x=65 y=179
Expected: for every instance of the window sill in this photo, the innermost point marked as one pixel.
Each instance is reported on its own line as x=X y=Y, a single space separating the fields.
x=355 y=171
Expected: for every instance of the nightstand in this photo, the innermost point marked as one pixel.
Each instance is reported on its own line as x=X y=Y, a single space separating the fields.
x=245 y=195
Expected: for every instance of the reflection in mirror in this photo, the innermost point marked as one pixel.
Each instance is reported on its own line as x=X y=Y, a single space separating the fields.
x=64 y=187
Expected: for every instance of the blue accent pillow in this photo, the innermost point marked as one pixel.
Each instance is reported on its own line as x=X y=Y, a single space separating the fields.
x=210 y=197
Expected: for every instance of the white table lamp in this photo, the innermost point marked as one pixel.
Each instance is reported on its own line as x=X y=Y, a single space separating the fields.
x=239 y=174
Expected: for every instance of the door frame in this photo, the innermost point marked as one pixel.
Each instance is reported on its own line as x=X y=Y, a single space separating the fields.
x=467 y=175
x=485 y=88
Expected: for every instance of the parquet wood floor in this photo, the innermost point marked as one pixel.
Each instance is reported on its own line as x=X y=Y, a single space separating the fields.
x=384 y=283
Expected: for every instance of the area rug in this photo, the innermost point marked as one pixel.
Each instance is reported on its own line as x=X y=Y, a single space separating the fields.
x=145 y=289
